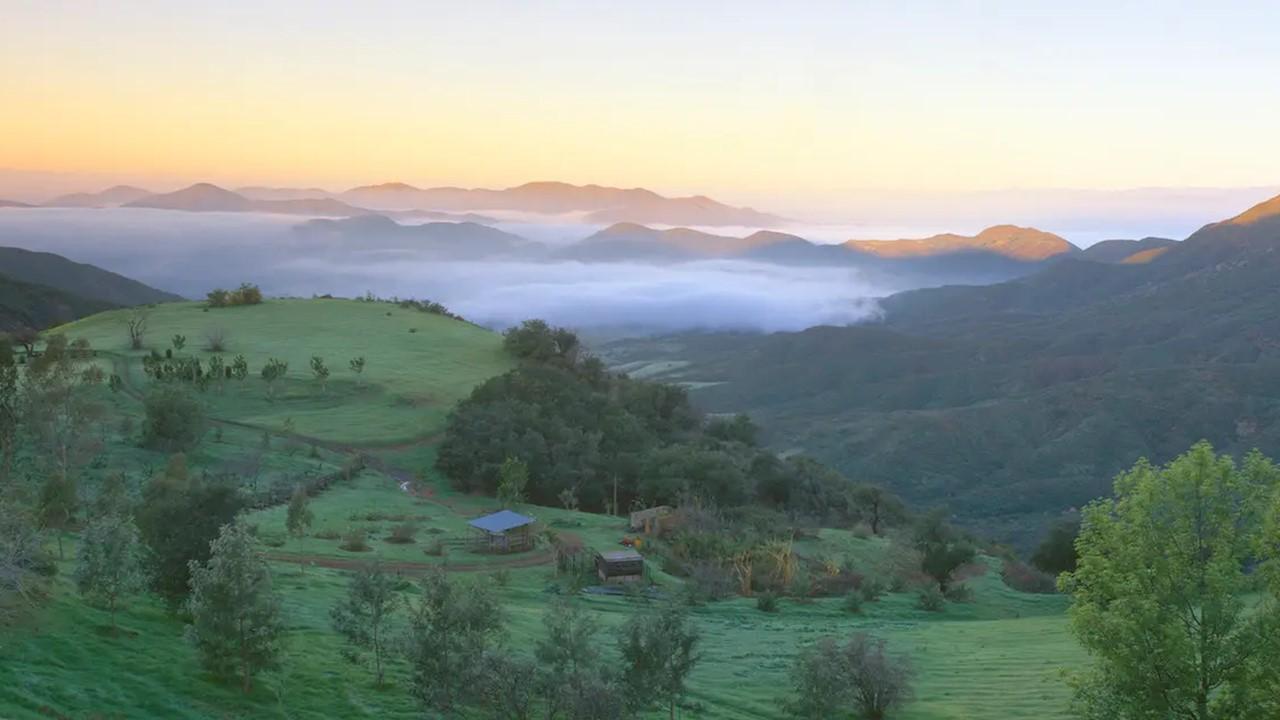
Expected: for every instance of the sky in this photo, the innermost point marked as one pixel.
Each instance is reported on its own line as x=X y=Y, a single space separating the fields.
x=778 y=105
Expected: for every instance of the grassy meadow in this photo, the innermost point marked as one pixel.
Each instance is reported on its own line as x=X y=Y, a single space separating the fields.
x=997 y=657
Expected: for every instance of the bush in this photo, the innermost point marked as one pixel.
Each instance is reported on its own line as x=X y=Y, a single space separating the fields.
x=872 y=589
x=403 y=533
x=709 y=580
x=853 y=602
x=356 y=540
x=931 y=599
x=1024 y=578
x=327 y=535
x=959 y=593
x=435 y=548
x=174 y=420
x=767 y=602
x=856 y=679
x=215 y=339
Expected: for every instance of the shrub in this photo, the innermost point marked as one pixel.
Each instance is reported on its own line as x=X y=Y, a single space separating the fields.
x=1024 y=578
x=959 y=593
x=174 y=420
x=327 y=535
x=931 y=599
x=857 y=679
x=435 y=548
x=767 y=602
x=872 y=589
x=709 y=580
x=403 y=533
x=853 y=602
x=215 y=339
x=356 y=540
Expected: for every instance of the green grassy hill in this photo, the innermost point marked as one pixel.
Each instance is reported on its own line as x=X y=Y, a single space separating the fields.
x=418 y=364
x=998 y=656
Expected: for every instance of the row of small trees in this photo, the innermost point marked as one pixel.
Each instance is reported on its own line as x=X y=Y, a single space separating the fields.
x=216 y=371
x=246 y=294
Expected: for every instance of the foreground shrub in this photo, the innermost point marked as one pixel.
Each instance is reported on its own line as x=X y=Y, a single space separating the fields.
x=403 y=533
x=767 y=602
x=174 y=420
x=931 y=599
x=356 y=540
x=1024 y=578
x=857 y=679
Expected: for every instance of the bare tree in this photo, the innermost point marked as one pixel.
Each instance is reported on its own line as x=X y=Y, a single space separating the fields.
x=137 y=322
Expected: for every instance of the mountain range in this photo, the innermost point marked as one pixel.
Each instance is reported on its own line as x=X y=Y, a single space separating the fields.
x=595 y=203
x=1014 y=402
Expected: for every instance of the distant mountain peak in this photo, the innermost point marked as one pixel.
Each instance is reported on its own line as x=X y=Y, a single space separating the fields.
x=1012 y=241
x=1262 y=211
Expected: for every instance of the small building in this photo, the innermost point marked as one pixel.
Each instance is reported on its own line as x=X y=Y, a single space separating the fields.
x=504 y=531
x=649 y=520
x=620 y=566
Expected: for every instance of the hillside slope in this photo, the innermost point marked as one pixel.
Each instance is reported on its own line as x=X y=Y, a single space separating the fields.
x=28 y=305
x=80 y=279
x=1014 y=402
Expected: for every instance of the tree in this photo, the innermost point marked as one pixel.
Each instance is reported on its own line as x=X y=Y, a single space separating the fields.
x=178 y=519
x=113 y=497
x=659 y=650
x=451 y=627
x=512 y=479
x=174 y=421
x=271 y=372
x=239 y=368
x=179 y=342
x=942 y=549
x=507 y=685
x=137 y=325
x=858 y=678
x=1056 y=554
x=567 y=657
x=22 y=561
x=1161 y=595
x=218 y=370
x=363 y=617
x=298 y=518
x=357 y=367
x=217 y=298
x=57 y=505
x=739 y=428
x=876 y=506
x=321 y=372
x=109 y=563
x=536 y=341
x=235 y=614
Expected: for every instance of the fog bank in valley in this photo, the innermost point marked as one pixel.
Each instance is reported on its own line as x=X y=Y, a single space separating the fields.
x=190 y=253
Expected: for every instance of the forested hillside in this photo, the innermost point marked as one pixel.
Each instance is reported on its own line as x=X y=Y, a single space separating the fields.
x=1014 y=402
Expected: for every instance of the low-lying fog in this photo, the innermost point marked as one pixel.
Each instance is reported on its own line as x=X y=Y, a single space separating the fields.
x=190 y=253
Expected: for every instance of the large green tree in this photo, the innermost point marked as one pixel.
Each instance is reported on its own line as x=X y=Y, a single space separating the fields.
x=235 y=613
x=1165 y=597
x=179 y=517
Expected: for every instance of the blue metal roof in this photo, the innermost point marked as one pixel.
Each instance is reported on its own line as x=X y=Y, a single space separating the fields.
x=501 y=521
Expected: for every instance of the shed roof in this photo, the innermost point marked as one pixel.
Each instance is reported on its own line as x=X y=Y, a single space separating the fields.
x=501 y=521
x=621 y=555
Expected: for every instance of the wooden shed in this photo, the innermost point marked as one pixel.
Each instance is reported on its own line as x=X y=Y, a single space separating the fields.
x=503 y=532
x=620 y=566
x=649 y=520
